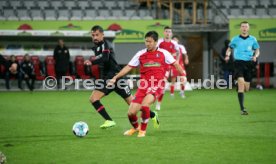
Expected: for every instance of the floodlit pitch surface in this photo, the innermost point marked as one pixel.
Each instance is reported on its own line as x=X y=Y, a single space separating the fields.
x=206 y=127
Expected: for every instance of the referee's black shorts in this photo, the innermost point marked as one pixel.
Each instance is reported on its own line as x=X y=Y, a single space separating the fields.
x=121 y=87
x=243 y=69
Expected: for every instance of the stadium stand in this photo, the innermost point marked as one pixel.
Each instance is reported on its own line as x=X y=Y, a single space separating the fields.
x=63 y=13
x=57 y=4
x=15 y=4
x=24 y=13
x=42 y=4
x=29 y=4
x=73 y=10
x=50 y=13
x=36 y=13
x=9 y=13
x=69 y=4
x=77 y=13
x=84 y=4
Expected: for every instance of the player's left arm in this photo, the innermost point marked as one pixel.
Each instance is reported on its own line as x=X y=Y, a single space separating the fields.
x=134 y=62
x=184 y=53
x=256 y=48
x=186 y=59
x=256 y=55
x=177 y=51
x=179 y=68
x=170 y=60
x=103 y=57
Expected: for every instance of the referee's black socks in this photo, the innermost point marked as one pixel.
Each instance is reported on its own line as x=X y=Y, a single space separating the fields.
x=241 y=100
x=101 y=110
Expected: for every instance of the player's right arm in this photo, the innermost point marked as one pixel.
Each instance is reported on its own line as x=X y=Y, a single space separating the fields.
x=232 y=45
x=228 y=53
x=170 y=60
x=134 y=62
x=123 y=72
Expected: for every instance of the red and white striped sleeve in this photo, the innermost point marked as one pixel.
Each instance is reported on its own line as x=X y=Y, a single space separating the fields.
x=176 y=45
x=134 y=62
x=183 y=49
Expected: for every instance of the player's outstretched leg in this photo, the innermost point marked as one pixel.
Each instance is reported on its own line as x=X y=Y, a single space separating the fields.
x=172 y=90
x=145 y=115
x=101 y=110
x=159 y=100
x=134 y=122
x=182 y=89
x=241 y=88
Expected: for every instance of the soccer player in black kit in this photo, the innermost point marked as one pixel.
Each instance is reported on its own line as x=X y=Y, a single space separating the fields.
x=108 y=68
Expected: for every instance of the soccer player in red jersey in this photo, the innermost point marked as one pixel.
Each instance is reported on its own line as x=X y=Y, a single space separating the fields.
x=152 y=61
x=109 y=67
x=182 y=63
x=172 y=47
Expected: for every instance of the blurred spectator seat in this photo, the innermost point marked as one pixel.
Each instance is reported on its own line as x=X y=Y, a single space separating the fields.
x=37 y=68
x=79 y=65
x=50 y=66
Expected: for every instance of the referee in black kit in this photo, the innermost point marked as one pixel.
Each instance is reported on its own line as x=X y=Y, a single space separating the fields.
x=246 y=51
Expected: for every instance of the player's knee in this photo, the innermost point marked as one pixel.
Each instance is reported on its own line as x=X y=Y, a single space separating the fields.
x=131 y=112
x=92 y=99
x=241 y=90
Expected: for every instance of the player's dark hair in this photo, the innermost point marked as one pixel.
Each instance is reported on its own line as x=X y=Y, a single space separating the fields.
x=167 y=27
x=97 y=27
x=153 y=35
x=244 y=22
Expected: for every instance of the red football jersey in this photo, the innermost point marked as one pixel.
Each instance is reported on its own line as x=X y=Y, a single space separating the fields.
x=152 y=63
x=170 y=46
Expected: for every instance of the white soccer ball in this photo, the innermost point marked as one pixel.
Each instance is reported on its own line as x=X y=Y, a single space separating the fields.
x=80 y=129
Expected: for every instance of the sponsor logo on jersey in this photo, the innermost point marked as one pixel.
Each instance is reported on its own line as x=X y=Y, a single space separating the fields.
x=152 y=64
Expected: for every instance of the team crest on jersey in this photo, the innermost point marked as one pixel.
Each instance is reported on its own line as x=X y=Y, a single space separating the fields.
x=157 y=55
x=98 y=48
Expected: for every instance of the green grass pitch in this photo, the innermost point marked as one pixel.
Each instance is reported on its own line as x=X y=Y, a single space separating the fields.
x=206 y=127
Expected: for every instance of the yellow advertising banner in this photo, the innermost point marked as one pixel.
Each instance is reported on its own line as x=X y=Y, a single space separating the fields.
x=126 y=30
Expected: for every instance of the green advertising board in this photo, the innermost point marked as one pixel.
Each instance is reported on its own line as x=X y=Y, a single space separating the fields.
x=264 y=29
x=126 y=30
